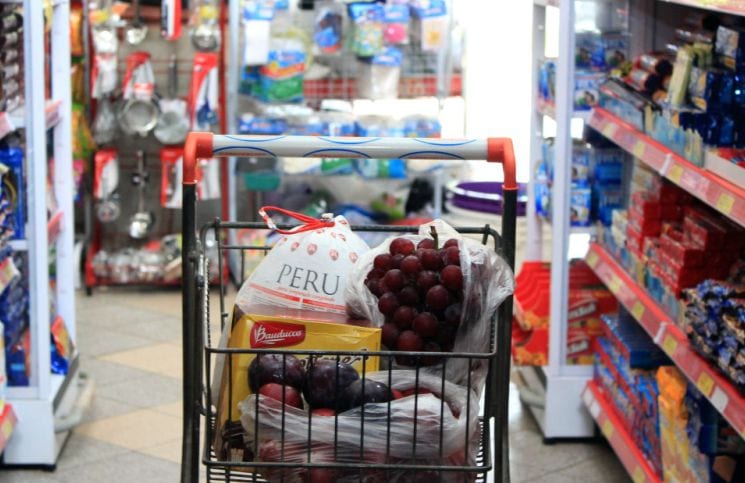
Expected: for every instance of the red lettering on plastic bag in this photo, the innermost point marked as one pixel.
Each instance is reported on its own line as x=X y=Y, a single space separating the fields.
x=276 y=334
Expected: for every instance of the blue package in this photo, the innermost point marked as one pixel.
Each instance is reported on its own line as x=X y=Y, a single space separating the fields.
x=580 y=206
x=258 y=10
x=589 y=51
x=580 y=166
x=422 y=127
x=250 y=124
x=59 y=364
x=13 y=159
x=328 y=31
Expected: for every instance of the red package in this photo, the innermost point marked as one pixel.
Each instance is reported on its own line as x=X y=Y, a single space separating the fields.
x=646 y=204
x=644 y=225
x=671 y=211
x=685 y=254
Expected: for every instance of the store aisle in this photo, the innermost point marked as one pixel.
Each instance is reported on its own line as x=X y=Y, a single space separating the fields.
x=130 y=345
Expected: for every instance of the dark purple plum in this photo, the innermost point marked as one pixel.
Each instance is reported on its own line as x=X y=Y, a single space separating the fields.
x=355 y=396
x=321 y=385
x=266 y=368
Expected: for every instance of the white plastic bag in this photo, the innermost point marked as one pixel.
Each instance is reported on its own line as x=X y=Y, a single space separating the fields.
x=308 y=268
x=385 y=440
x=487 y=281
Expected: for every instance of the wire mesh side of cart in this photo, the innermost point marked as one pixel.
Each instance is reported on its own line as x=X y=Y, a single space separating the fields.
x=330 y=455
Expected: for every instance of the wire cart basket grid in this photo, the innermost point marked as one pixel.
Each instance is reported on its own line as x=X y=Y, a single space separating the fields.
x=198 y=353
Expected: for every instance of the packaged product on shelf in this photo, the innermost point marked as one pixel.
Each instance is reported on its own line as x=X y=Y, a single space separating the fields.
x=396 y=18
x=368 y=28
x=730 y=47
x=399 y=401
x=378 y=76
x=12 y=159
x=204 y=109
x=589 y=51
x=327 y=33
x=3 y=373
x=281 y=79
x=262 y=326
x=381 y=168
x=580 y=206
x=257 y=21
x=17 y=359
x=586 y=86
x=171 y=177
x=627 y=104
x=61 y=347
x=431 y=26
x=106 y=184
x=711 y=88
x=436 y=291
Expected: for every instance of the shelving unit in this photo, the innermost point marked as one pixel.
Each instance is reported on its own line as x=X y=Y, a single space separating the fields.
x=48 y=396
x=603 y=412
x=720 y=194
x=663 y=330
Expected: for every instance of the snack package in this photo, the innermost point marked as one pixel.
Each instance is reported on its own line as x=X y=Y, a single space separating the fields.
x=445 y=421
x=367 y=39
x=271 y=327
x=431 y=24
x=378 y=76
x=308 y=268
x=441 y=298
x=327 y=33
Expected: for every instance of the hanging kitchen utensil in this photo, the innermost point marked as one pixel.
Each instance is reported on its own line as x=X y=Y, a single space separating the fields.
x=137 y=30
x=205 y=36
x=170 y=19
x=173 y=124
x=105 y=184
x=171 y=165
x=104 y=125
x=138 y=113
x=203 y=93
x=142 y=221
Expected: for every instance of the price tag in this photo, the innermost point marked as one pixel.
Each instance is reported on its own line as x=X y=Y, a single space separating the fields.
x=638 y=475
x=607 y=429
x=592 y=259
x=639 y=149
x=725 y=203
x=595 y=410
x=669 y=344
x=705 y=383
x=609 y=130
x=719 y=399
x=614 y=284
x=675 y=173
x=637 y=310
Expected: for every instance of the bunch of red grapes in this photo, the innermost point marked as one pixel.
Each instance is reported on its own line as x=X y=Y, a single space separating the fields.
x=420 y=292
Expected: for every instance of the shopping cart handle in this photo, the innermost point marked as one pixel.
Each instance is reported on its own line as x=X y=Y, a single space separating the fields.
x=200 y=145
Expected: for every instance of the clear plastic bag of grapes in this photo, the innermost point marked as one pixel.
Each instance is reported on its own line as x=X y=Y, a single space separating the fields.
x=433 y=292
x=419 y=421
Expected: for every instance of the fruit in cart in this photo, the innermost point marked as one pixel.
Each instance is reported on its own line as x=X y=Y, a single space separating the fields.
x=383 y=262
x=409 y=341
x=425 y=324
x=389 y=335
x=362 y=392
x=326 y=380
x=396 y=394
x=438 y=297
x=453 y=314
x=453 y=242
x=397 y=259
x=278 y=391
x=452 y=277
x=325 y=412
x=401 y=246
x=387 y=304
x=394 y=279
x=408 y=296
x=431 y=259
x=411 y=265
x=426 y=280
x=451 y=256
x=277 y=368
x=427 y=243
x=404 y=316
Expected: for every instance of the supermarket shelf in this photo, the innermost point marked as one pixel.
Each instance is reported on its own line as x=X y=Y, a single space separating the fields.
x=58 y=385
x=549 y=109
x=8 y=421
x=662 y=328
x=623 y=445
x=409 y=87
x=725 y=197
x=14 y=120
x=732 y=7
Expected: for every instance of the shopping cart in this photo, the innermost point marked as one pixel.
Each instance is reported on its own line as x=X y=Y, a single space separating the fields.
x=200 y=349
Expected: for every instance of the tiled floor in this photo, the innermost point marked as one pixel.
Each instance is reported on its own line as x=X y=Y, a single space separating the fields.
x=130 y=345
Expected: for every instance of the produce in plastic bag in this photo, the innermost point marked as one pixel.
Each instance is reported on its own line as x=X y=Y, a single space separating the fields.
x=432 y=294
x=443 y=420
x=308 y=268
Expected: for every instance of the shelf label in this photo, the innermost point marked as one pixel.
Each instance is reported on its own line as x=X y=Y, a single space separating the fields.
x=639 y=149
x=595 y=410
x=637 y=310
x=592 y=259
x=614 y=284
x=607 y=429
x=638 y=475
x=669 y=344
x=719 y=399
x=705 y=384
x=725 y=203
x=675 y=173
x=609 y=130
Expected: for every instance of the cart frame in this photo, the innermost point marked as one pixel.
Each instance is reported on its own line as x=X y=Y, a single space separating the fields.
x=207 y=145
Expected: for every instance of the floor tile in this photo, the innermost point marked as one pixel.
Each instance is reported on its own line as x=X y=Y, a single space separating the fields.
x=163 y=359
x=590 y=471
x=170 y=451
x=135 y=430
x=149 y=390
x=25 y=476
x=173 y=409
x=81 y=449
x=99 y=341
x=128 y=467
x=105 y=372
x=103 y=407
x=527 y=448
x=520 y=473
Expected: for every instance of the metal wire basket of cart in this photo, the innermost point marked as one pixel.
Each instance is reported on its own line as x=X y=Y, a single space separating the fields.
x=462 y=437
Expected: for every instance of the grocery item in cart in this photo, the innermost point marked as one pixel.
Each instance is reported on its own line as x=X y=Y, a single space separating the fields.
x=283 y=329
x=429 y=422
x=308 y=268
x=434 y=292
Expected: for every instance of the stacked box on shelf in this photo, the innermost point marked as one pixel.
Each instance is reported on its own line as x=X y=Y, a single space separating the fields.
x=625 y=363
x=588 y=301
x=697 y=444
x=715 y=324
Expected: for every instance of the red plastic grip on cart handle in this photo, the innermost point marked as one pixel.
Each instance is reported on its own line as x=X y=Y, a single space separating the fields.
x=198 y=146
x=501 y=150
